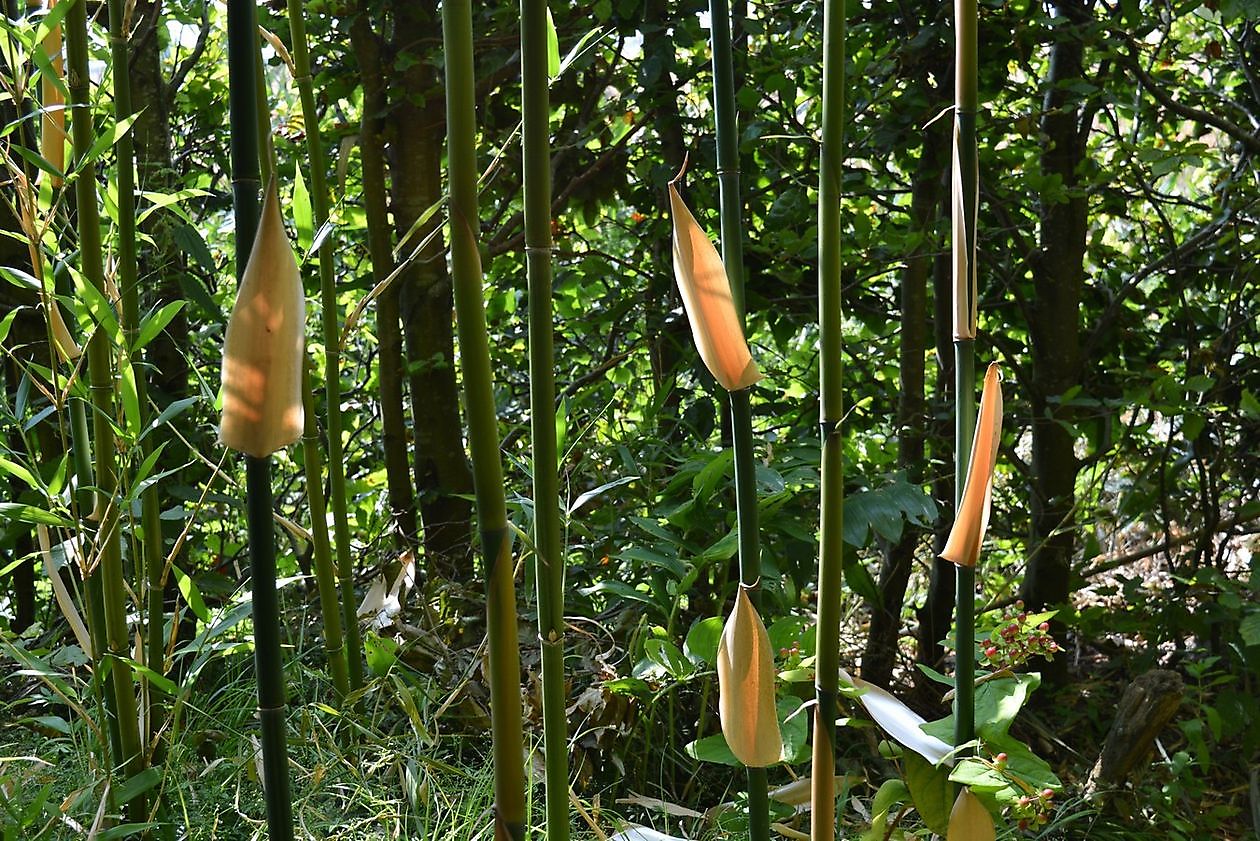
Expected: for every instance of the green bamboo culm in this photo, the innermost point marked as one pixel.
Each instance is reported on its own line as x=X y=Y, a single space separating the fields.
x=548 y=542
x=130 y=757
x=325 y=573
x=243 y=108
x=831 y=411
x=320 y=203
x=726 y=130
x=964 y=245
x=151 y=547
x=483 y=426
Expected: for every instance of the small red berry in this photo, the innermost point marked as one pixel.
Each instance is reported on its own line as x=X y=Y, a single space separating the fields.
x=1047 y=793
x=1044 y=626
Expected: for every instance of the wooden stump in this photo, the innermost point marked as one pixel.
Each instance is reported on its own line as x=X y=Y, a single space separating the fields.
x=1148 y=704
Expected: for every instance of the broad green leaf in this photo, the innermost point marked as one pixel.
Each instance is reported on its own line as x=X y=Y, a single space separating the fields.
x=666 y=655
x=930 y=790
x=701 y=644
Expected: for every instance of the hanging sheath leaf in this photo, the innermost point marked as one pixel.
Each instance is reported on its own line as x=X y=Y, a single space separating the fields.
x=963 y=546
x=706 y=294
x=262 y=351
x=969 y=820
x=745 y=667
x=964 y=244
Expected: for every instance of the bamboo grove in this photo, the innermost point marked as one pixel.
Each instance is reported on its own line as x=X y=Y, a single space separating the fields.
x=772 y=660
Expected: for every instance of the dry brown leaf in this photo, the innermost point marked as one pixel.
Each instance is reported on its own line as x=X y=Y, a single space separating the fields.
x=745 y=667
x=706 y=294
x=263 y=348
x=965 y=538
x=969 y=820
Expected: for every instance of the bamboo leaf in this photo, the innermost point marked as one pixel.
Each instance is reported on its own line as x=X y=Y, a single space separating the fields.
x=264 y=345
x=706 y=294
x=61 y=593
x=965 y=538
x=745 y=667
x=553 y=48
x=155 y=323
x=303 y=218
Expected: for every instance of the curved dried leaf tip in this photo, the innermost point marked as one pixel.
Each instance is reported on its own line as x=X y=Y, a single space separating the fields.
x=969 y=820
x=745 y=667
x=972 y=520
x=706 y=294
x=263 y=349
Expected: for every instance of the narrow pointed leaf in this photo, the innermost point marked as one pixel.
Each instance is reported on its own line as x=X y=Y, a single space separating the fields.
x=963 y=546
x=262 y=351
x=745 y=667
x=969 y=820
x=706 y=294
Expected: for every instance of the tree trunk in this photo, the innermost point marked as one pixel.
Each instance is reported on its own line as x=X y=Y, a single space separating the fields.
x=417 y=131
x=389 y=332
x=1054 y=322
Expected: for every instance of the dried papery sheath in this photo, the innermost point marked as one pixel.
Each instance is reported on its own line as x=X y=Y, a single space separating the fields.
x=969 y=820
x=262 y=351
x=963 y=242
x=963 y=546
x=706 y=294
x=745 y=667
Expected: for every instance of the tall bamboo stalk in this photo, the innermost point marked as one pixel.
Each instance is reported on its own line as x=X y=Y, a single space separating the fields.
x=151 y=549
x=101 y=373
x=966 y=187
x=831 y=410
x=548 y=544
x=325 y=573
x=483 y=430
x=741 y=411
x=243 y=108
x=332 y=344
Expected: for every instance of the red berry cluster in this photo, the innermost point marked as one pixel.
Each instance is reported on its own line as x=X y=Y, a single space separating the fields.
x=1016 y=640
x=1034 y=810
x=791 y=654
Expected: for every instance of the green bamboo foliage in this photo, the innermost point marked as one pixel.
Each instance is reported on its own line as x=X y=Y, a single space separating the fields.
x=741 y=412
x=831 y=409
x=548 y=542
x=483 y=430
x=353 y=652
x=965 y=192
x=101 y=373
x=243 y=106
